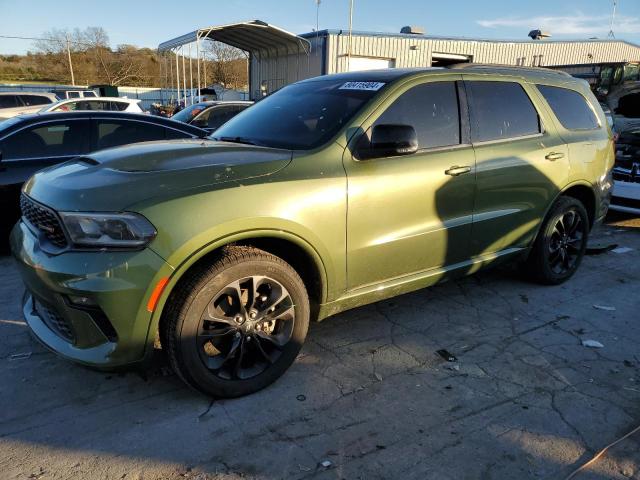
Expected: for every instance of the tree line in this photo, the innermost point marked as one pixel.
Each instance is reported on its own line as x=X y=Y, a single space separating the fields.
x=95 y=62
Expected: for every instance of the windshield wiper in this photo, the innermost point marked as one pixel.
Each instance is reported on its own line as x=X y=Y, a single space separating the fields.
x=243 y=140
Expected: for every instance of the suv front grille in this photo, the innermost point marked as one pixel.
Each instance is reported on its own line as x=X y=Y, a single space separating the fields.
x=44 y=219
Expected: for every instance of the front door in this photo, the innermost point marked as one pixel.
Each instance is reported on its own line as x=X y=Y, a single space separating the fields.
x=412 y=213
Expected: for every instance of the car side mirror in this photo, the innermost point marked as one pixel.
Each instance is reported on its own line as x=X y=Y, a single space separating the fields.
x=390 y=140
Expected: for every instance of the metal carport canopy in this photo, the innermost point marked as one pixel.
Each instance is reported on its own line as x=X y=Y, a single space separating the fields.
x=251 y=36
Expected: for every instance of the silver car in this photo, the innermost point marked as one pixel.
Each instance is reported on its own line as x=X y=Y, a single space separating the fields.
x=15 y=103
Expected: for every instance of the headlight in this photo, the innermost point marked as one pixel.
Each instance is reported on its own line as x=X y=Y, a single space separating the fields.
x=108 y=229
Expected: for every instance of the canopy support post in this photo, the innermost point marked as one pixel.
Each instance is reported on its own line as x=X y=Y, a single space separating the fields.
x=184 y=80
x=190 y=75
x=177 y=77
x=198 y=57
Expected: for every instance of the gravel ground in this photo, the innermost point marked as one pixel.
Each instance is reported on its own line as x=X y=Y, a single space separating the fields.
x=368 y=397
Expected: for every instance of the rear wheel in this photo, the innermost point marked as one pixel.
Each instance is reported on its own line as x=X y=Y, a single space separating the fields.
x=561 y=243
x=236 y=326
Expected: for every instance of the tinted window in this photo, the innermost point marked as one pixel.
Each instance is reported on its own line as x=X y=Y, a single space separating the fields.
x=187 y=114
x=118 y=106
x=73 y=94
x=90 y=94
x=30 y=100
x=570 y=107
x=500 y=110
x=112 y=133
x=214 y=118
x=300 y=116
x=8 y=101
x=432 y=109
x=51 y=140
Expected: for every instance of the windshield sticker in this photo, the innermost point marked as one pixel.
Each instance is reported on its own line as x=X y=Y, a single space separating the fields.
x=370 y=86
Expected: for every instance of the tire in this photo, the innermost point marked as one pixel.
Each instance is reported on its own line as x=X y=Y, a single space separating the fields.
x=243 y=292
x=546 y=263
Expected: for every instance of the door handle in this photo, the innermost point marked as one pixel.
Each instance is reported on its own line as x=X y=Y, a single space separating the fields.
x=456 y=170
x=553 y=156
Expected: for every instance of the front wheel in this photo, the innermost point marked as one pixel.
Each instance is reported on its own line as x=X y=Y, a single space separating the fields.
x=561 y=243
x=236 y=326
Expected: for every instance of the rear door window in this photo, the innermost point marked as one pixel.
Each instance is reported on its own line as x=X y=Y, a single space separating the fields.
x=113 y=133
x=118 y=106
x=430 y=108
x=218 y=116
x=9 y=101
x=571 y=108
x=30 y=100
x=53 y=139
x=500 y=110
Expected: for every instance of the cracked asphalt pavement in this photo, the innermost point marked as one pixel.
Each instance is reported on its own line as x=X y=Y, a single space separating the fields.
x=368 y=397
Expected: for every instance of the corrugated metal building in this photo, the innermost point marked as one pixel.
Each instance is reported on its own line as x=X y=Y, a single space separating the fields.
x=329 y=53
x=278 y=57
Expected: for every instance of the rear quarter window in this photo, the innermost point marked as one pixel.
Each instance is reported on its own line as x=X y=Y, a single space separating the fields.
x=570 y=107
x=30 y=100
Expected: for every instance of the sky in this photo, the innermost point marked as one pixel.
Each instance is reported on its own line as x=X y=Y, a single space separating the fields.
x=146 y=23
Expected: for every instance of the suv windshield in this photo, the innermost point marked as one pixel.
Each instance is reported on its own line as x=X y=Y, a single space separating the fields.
x=302 y=116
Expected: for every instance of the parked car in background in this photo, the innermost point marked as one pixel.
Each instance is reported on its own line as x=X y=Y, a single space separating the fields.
x=63 y=93
x=328 y=194
x=29 y=143
x=211 y=115
x=15 y=103
x=115 y=104
x=626 y=173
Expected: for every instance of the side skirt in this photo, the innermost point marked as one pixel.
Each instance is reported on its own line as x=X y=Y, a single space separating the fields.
x=415 y=281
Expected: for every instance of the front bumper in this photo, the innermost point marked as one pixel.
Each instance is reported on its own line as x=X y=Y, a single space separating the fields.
x=114 y=330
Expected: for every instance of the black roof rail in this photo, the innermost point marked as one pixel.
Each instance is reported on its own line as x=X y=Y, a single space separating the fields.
x=464 y=65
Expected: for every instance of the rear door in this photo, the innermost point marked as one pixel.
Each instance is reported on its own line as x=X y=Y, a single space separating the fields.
x=521 y=163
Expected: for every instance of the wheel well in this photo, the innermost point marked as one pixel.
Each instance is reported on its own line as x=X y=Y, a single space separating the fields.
x=290 y=252
x=298 y=258
x=586 y=196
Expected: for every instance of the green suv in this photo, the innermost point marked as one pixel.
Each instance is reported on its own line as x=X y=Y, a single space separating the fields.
x=329 y=194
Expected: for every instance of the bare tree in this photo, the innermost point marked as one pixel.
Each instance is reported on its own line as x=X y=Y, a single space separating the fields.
x=227 y=64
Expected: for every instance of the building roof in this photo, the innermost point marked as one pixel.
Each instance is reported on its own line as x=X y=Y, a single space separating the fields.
x=325 y=32
x=252 y=36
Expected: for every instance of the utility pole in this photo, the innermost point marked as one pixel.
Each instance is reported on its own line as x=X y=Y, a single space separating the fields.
x=613 y=18
x=73 y=80
x=317 y=15
x=350 y=29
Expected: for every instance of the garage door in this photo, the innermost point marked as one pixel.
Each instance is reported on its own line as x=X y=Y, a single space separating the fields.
x=370 y=63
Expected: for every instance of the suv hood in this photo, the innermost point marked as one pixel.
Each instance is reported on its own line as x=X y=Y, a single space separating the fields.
x=115 y=179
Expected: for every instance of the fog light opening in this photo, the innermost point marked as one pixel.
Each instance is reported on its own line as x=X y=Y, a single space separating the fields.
x=81 y=301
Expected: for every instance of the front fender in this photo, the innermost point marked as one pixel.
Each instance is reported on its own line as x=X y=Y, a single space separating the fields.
x=324 y=267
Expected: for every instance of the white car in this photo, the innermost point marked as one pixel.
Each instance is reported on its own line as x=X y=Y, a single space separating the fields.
x=113 y=104
x=626 y=173
x=15 y=103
